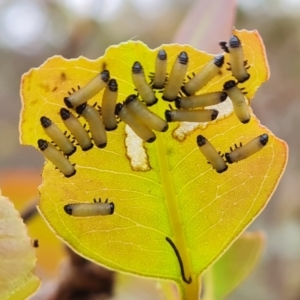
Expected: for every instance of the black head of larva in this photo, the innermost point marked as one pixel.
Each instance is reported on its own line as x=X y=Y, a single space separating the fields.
x=151 y=140
x=234 y=42
x=168 y=115
x=130 y=98
x=229 y=84
x=201 y=140
x=162 y=55
x=35 y=243
x=118 y=108
x=246 y=121
x=68 y=102
x=178 y=102
x=219 y=60
x=68 y=209
x=42 y=144
x=64 y=113
x=223 y=96
x=105 y=75
x=222 y=170
x=80 y=108
x=183 y=58
x=103 y=145
x=165 y=128
x=137 y=68
x=45 y=122
x=214 y=114
x=113 y=85
x=112 y=207
x=227 y=157
x=184 y=91
x=263 y=139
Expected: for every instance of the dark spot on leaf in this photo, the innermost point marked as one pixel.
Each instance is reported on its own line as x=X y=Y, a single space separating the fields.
x=63 y=76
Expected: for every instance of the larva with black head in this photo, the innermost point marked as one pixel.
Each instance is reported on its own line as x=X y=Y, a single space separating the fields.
x=140 y=128
x=143 y=88
x=90 y=209
x=57 y=136
x=237 y=62
x=187 y=115
x=203 y=100
x=141 y=111
x=211 y=154
x=77 y=130
x=57 y=158
x=237 y=98
x=109 y=101
x=247 y=150
x=92 y=116
x=176 y=77
x=236 y=55
x=92 y=88
x=205 y=75
x=160 y=70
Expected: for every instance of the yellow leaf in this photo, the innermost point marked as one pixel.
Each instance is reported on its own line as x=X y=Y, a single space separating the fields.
x=17 y=255
x=164 y=193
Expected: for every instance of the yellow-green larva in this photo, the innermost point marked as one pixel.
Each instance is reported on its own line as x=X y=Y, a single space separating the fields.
x=247 y=150
x=187 y=115
x=76 y=128
x=57 y=158
x=93 y=117
x=152 y=120
x=140 y=128
x=176 y=77
x=143 y=88
x=92 y=88
x=205 y=75
x=211 y=154
x=237 y=62
x=237 y=98
x=57 y=136
x=203 y=100
x=109 y=101
x=90 y=209
x=160 y=70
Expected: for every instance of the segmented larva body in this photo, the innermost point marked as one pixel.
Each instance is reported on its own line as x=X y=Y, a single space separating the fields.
x=109 y=101
x=200 y=115
x=76 y=129
x=237 y=63
x=141 y=111
x=211 y=154
x=140 y=128
x=203 y=100
x=92 y=116
x=143 y=88
x=90 y=209
x=176 y=77
x=57 y=158
x=205 y=75
x=57 y=136
x=237 y=97
x=247 y=150
x=88 y=91
x=160 y=70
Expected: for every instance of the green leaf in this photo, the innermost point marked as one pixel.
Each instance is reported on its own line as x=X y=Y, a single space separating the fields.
x=234 y=266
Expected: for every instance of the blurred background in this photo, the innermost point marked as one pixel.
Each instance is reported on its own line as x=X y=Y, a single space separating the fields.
x=32 y=31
